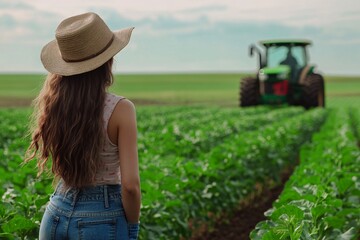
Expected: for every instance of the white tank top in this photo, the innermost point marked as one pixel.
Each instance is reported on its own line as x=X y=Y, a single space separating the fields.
x=109 y=170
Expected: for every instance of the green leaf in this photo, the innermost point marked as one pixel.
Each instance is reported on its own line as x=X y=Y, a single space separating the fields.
x=334 y=202
x=343 y=185
x=6 y=236
x=280 y=232
x=287 y=197
x=318 y=211
x=294 y=213
x=348 y=212
x=173 y=203
x=271 y=236
x=334 y=221
x=18 y=223
x=2 y=210
x=41 y=201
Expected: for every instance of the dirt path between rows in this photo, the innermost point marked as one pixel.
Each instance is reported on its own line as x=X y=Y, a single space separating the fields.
x=243 y=221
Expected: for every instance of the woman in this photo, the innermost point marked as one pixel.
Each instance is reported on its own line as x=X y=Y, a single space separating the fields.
x=87 y=134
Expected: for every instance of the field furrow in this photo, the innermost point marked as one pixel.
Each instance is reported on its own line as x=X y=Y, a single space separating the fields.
x=217 y=181
x=321 y=199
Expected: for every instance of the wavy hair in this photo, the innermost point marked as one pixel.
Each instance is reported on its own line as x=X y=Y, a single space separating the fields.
x=67 y=125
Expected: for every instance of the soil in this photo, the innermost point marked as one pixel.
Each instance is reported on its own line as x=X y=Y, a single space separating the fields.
x=244 y=220
x=14 y=102
x=346 y=94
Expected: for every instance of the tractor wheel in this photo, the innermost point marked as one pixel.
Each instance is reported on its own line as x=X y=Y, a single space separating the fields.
x=313 y=91
x=249 y=92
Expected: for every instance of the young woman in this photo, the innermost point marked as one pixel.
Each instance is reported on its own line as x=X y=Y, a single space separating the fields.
x=87 y=134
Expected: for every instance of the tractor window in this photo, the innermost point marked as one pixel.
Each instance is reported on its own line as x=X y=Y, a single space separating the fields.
x=298 y=53
x=277 y=55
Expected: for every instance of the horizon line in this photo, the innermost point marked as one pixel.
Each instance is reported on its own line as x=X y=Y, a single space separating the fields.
x=170 y=73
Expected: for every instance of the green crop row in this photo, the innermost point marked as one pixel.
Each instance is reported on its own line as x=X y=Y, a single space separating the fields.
x=155 y=121
x=188 y=138
x=322 y=198
x=186 y=193
x=355 y=117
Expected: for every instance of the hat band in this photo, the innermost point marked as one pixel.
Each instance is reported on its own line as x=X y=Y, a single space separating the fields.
x=92 y=55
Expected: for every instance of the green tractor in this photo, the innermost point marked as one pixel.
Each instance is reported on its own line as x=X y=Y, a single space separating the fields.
x=285 y=76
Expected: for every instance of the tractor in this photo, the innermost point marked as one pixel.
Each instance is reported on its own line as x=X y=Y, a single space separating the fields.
x=284 y=76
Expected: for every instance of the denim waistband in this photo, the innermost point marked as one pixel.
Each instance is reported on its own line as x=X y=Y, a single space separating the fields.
x=91 y=193
x=95 y=201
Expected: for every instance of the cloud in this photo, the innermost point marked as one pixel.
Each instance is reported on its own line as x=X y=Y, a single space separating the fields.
x=187 y=36
x=7 y=22
x=21 y=23
x=10 y=4
x=295 y=13
x=205 y=9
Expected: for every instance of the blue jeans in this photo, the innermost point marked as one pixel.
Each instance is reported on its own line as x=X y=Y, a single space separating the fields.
x=91 y=213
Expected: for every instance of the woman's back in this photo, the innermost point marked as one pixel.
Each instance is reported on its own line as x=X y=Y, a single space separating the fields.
x=109 y=167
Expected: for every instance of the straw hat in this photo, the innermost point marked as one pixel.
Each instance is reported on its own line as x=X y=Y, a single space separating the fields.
x=83 y=43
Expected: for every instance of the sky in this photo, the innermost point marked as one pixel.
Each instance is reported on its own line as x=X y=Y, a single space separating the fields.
x=190 y=35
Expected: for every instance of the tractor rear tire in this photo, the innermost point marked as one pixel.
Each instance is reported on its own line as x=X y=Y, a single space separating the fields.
x=249 y=92
x=313 y=91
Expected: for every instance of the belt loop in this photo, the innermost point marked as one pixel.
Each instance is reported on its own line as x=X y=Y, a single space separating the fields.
x=75 y=197
x=57 y=188
x=106 y=197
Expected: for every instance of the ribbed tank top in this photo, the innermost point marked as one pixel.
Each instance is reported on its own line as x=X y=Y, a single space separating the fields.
x=109 y=170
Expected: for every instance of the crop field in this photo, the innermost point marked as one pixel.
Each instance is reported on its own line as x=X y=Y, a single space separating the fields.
x=201 y=158
x=183 y=174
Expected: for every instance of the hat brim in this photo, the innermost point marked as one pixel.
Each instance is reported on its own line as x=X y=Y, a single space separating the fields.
x=54 y=63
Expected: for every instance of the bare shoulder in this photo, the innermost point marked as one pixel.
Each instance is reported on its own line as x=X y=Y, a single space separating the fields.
x=125 y=106
x=124 y=111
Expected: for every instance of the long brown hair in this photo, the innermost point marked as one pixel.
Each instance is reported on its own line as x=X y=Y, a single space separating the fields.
x=68 y=125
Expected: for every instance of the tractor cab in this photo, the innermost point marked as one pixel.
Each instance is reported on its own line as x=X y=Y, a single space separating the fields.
x=279 y=54
x=284 y=72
